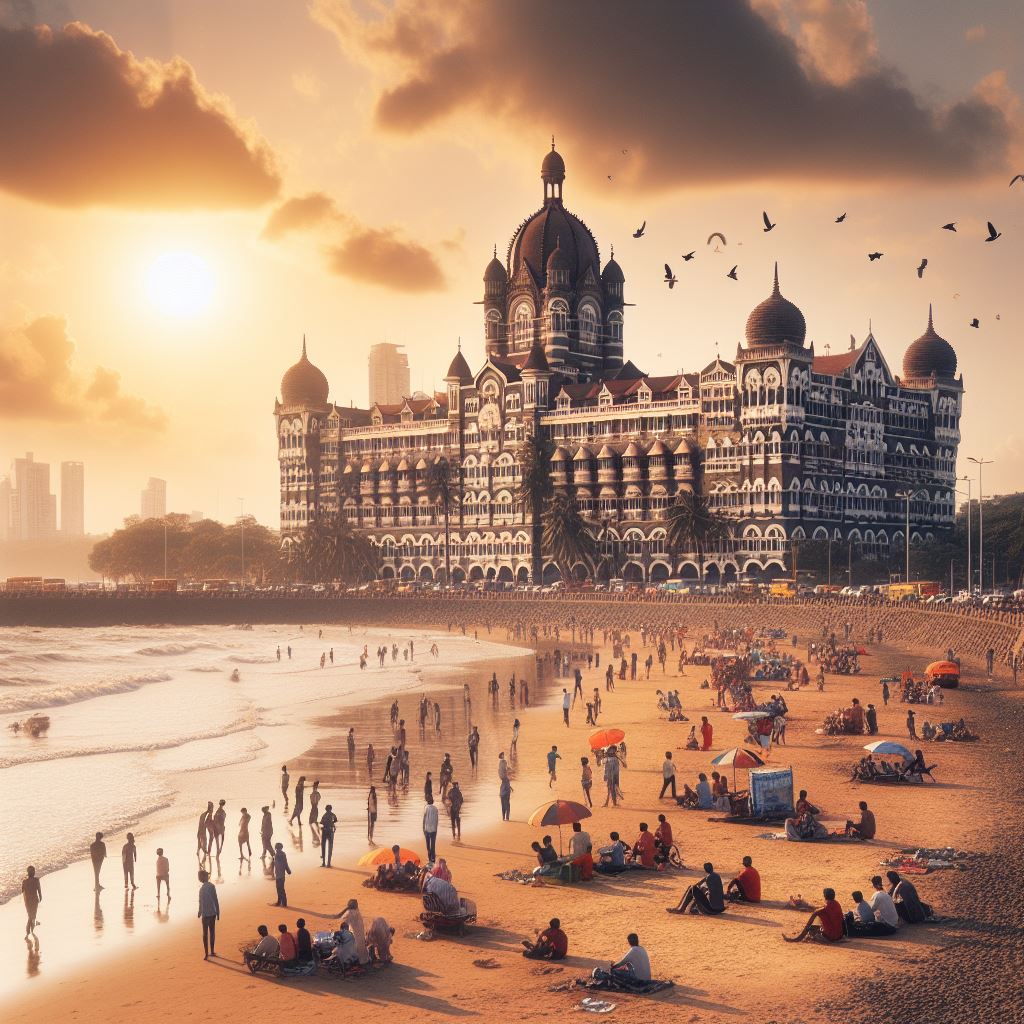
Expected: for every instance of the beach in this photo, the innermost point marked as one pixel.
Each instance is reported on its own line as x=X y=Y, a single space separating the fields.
x=723 y=968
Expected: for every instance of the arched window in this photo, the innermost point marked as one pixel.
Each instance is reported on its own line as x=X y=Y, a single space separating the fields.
x=615 y=326
x=588 y=325
x=559 y=316
x=524 y=324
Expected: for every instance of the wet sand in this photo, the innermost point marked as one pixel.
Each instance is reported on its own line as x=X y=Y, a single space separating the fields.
x=725 y=968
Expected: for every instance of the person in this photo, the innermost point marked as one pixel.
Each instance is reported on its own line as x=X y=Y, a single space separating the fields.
x=268 y=947
x=97 y=854
x=586 y=779
x=163 y=873
x=300 y=790
x=553 y=757
x=706 y=733
x=746 y=886
x=634 y=966
x=303 y=943
x=129 y=856
x=865 y=828
x=352 y=916
x=882 y=905
x=444 y=892
x=287 y=946
x=611 y=777
x=579 y=841
x=281 y=869
x=546 y=856
x=663 y=839
x=612 y=858
x=328 y=827
x=314 y=803
x=550 y=944
x=455 y=801
x=267 y=831
x=904 y=896
x=502 y=766
x=668 y=776
x=705 y=896
x=885 y=692
x=209 y=914
x=585 y=863
x=378 y=941
x=430 y=829
x=243 y=836
x=505 y=796
x=474 y=745
x=871 y=717
x=911 y=727
x=428 y=786
x=861 y=920
x=566 y=704
x=285 y=777
x=32 y=894
x=514 y=745
x=644 y=848
x=831 y=928
x=705 y=798
x=441 y=869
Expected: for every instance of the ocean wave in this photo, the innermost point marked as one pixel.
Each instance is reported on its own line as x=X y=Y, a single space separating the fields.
x=256 y=659
x=206 y=668
x=162 y=650
x=60 y=695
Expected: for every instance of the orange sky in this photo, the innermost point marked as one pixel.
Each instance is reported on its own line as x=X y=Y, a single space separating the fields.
x=182 y=126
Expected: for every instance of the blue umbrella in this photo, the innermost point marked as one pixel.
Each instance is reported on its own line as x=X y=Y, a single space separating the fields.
x=889 y=747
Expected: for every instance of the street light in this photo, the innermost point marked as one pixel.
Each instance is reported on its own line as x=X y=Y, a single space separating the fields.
x=908 y=496
x=970 y=581
x=981 y=521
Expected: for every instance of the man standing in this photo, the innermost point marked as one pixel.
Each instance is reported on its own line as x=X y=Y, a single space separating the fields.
x=371 y=813
x=566 y=704
x=300 y=792
x=98 y=854
x=455 y=800
x=911 y=724
x=885 y=693
x=473 y=744
x=553 y=758
x=163 y=873
x=430 y=829
x=281 y=869
x=577 y=686
x=668 y=776
x=871 y=717
x=209 y=914
x=32 y=894
x=706 y=732
x=284 y=769
x=267 y=832
x=328 y=824
x=129 y=855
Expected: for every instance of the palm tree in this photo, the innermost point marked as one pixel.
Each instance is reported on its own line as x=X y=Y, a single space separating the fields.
x=567 y=538
x=535 y=488
x=330 y=549
x=691 y=524
x=444 y=491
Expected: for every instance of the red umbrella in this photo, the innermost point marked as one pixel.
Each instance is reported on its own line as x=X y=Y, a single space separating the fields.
x=558 y=812
x=738 y=757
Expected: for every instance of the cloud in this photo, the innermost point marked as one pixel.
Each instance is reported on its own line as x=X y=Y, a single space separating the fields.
x=307 y=85
x=382 y=257
x=700 y=93
x=85 y=123
x=38 y=381
x=976 y=33
x=379 y=256
x=300 y=213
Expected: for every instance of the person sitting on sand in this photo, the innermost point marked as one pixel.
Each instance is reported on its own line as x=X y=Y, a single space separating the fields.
x=585 y=863
x=287 y=946
x=643 y=848
x=663 y=840
x=691 y=739
x=267 y=947
x=865 y=828
x=746 y=886
x=612 y=858
x=805 y=829
x=550 y=944
x=703 y=897
x=579 y=841
x=861 y=923
x=908 y=903
x=633 y=967
x=546 y=858
x=303 y=942
x=444 y=892
x=830 y=929
x=378 y=941
x=344 y=953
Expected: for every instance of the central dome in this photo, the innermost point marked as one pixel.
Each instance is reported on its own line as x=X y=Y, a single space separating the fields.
x=776 y=321
x=931 y=353
x=304 y=383
x=549 y=228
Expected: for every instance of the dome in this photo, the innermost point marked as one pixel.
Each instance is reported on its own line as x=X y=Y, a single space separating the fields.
x=776 y=321
x=559 y=260
x=612 y=273
x=495 y=272
x=304 y=383
x=459 y=370
x=552 y=168
x=930 y=354
x=549 y=228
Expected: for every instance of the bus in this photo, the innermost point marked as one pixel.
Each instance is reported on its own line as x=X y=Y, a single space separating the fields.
x=782 y=588
x=54 y=586
x=917 y=590
x=23 y=584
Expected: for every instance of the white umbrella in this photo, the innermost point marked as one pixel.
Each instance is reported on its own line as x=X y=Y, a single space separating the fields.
x=889 y=747
x=751 y=716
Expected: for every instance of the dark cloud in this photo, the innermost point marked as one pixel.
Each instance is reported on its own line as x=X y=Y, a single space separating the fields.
x=698 y=92
x=85 y=123
x=38 y=381
x=301 y=213
x=383 y=257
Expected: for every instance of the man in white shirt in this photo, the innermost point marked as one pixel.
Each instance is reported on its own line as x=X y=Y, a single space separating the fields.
x=580 y=842
x=445 y=892
x=502 y=767
x=633 y=967
x=668 y=776
x=566 y=704
x=883 y=908
x=430 y=829
x=268 y=947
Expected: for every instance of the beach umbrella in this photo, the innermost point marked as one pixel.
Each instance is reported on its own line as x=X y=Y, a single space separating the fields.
x=383 y=855
x=750 y=716
x=889 y=747
x=738 y=757
x=558 y=812
x=605 y=738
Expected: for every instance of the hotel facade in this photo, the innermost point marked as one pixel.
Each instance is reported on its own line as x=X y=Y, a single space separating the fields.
x=792 y=445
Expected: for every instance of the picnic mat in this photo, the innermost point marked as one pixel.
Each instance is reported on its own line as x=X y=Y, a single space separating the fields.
x=637 y=988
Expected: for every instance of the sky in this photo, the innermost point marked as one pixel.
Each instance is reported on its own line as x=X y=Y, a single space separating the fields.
x=189 y=187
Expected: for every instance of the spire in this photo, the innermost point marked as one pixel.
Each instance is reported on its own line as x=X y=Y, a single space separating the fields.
x=303 y=346
x=775 y=289
x=495 y=250
x=552 y=142
x=613 y=250
x=930 y=325
x=460 y=342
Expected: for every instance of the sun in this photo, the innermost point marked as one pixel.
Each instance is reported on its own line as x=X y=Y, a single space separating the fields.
x=179 y=284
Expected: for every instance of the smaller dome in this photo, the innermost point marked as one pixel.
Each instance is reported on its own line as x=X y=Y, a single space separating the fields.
x=459 y=370
x=552 y=168
x=495 y=272
x=612 y=273
x=304 y=383
x=776 y=321
x=559 y=259
x=930 y=354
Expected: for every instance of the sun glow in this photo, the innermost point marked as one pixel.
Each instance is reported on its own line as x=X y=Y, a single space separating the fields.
x=179 y=284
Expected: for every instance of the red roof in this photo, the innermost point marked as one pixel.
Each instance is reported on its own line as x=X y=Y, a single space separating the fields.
x=836 y=365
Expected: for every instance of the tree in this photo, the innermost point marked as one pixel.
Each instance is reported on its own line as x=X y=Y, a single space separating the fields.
x=329 y=550
x=535 y=488
x=566 y=537
x=444 y=492
x=691 y=524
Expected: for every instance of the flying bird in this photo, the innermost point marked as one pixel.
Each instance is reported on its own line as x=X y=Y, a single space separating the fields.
x=732 y=273
x=841 y=218
x=688 y=256
x=1016 y=178
x=992 y=233
x=609 y=177
x=875 y=256
x=624 y=152
x=768 y=225
x=951 y=226
x=975 y=322
x=920 y=269
x=639 y=233
x=670 y=278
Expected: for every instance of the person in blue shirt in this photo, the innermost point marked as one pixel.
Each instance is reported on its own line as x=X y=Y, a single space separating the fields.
x=613 y=857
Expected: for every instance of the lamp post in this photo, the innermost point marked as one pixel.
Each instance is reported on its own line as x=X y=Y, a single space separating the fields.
x=165 y=547
x=907 y=496
x=970 y=581
x=981 y=521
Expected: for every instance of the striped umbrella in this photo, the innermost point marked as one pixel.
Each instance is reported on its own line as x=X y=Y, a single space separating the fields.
x=384 y=855
x=738 y=757
x=558 y=812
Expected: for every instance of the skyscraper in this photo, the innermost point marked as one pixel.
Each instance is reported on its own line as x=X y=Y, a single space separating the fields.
x=33 y=513
x=6 y=507
x=154 y=499
x=72 y=499
x=389 y=374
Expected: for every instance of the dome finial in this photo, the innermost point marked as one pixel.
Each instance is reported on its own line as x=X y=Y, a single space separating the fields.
x=552 y=142
x=613 y=250
x=303 y=346
x=460 y=342
x=495 y=250
x=775 y=289
x=930 y=325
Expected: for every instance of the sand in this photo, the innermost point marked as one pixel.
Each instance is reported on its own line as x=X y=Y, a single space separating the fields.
x=724 y=968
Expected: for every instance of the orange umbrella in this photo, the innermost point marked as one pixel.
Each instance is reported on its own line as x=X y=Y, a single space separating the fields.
x=738 y=757
x=605 y=738
x=558 y=812
x=943 y=668
x=383 y=855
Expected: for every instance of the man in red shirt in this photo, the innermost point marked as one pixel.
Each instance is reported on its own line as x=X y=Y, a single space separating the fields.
x=585 y=862
x=643 y=848
x=287 y=944
x=663 y=838
x=830 y=917
x=746 y=886
x=551 y=944
x=706 y=732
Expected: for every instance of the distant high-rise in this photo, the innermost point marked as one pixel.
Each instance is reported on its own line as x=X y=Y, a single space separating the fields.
x=6 y=507
x=72 y=499
x=154 y=499
x=389 y=374
x=33 y=509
